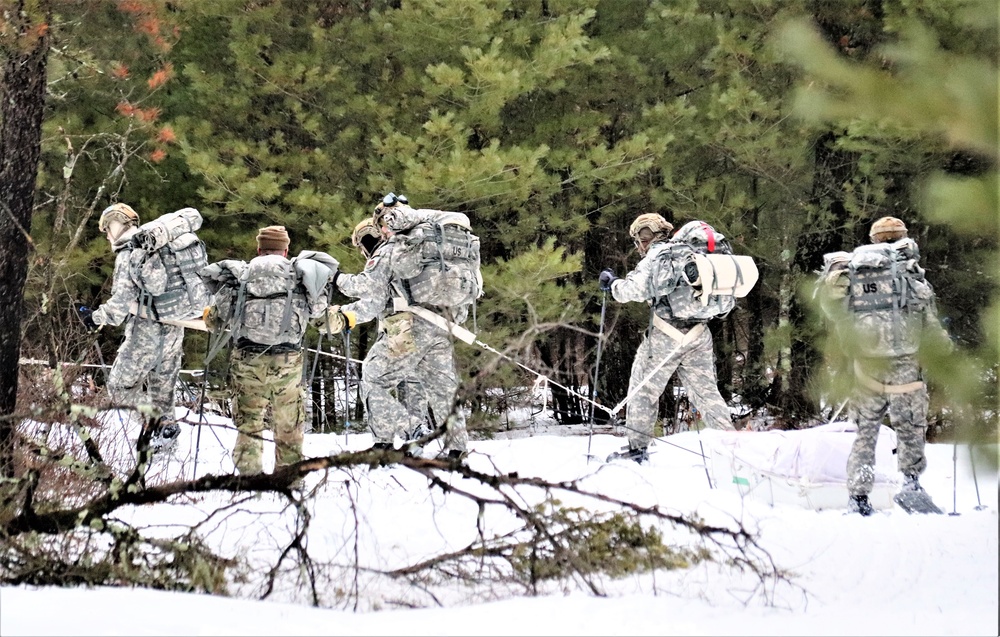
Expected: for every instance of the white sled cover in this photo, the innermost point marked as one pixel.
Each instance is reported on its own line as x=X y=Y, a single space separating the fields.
x=806 y=467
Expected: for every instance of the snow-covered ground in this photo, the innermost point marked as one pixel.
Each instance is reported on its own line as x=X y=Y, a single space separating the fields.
x=890 y=574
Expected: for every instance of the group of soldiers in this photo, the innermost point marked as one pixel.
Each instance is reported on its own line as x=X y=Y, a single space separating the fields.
x=888 y=378
x=409 y=378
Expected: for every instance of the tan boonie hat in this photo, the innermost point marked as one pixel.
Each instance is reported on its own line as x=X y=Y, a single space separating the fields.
x=887 y=229
x=655 y=223
x=273 y=239
x=117 y=212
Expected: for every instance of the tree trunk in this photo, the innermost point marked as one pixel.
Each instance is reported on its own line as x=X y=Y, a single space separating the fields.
x=24 y=78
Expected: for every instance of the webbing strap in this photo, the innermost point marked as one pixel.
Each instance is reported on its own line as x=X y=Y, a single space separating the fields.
x=882 y=388
x=675 y=333
x=709 y=236
x=286 y=318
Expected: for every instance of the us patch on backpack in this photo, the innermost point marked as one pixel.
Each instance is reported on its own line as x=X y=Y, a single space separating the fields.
x=887 y=294
x=439 y=262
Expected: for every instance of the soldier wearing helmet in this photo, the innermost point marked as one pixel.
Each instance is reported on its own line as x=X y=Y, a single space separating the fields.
x=887 y=230
x=409 y=353
x=647 y=229
x=369 y=240
x=685 y=345
x=149 y=359
x=881 y=308
x=367 y=237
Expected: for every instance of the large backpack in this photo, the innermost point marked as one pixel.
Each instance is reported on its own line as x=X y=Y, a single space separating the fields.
x=166 y=258
x=887 y=294
x=270 y=300
x=697 y=277
x=438 y=262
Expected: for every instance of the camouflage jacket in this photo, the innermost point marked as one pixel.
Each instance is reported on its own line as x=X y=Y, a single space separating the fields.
x=124 y=290
x=636 y=286
x=372 y=286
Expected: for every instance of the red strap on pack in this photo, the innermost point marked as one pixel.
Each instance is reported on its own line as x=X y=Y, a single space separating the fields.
x=709 y=235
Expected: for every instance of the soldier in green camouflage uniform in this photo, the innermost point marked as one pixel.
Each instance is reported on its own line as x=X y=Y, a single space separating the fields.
x=408 y=350
x=268 y=324
x=145 y=370
x=687 y=346
x=889 y=381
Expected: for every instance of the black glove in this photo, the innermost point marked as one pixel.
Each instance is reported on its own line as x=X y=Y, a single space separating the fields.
x=87 y=316
x=607 y=278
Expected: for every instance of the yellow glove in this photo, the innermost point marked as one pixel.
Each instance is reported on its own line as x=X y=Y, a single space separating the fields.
x=211 y=317
x=337 y=320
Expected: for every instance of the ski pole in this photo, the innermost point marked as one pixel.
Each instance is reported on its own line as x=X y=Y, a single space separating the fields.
x=104 y=372
x=347 y=384
x=975 y=481
x=312 y=377
x=319 y=348
x=954 y=477
x=201 y=410
x=597 y=368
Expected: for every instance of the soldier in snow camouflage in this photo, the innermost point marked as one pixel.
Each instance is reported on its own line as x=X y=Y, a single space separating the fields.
x=408 y=350
x=145 y=370
x=888 y=377
x=688 y=344
x=369 y=240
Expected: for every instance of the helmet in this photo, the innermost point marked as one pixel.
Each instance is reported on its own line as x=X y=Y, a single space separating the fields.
x=367 y=237
x=654 y=222
x=120 y=212
x=647 y=227
x=887 y=229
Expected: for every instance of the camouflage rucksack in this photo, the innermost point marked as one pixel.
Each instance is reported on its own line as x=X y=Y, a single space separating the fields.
x=166 y=258
x=437 y=260
x=270 y=300
x=885 y=292
x=696 y=276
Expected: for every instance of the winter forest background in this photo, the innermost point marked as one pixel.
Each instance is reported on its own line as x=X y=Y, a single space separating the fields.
x=789 y=126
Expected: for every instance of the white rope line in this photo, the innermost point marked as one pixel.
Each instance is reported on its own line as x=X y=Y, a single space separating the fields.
x=189 y=372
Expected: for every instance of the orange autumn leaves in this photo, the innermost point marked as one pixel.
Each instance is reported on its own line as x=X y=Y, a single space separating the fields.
x=148 y=116
x=147 y=20
x=144 y=14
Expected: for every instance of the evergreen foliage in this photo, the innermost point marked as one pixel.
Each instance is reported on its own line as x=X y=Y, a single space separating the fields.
x=552 y=125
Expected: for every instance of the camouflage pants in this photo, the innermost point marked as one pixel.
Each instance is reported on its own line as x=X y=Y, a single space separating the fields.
x=261 y=381
x=694 y=363
x=426 y=357
x=145 y=370
x=907 y=416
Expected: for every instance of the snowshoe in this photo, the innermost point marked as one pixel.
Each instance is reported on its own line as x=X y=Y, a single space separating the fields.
x=163 y=441
x=639 y=455
x=913 y=499
x=860 y=504
x=452 y=455
x=412 y=450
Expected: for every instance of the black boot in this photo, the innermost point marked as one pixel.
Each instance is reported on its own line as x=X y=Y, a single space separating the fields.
x=164 y=436
x=860 y=504
x=639 y=455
